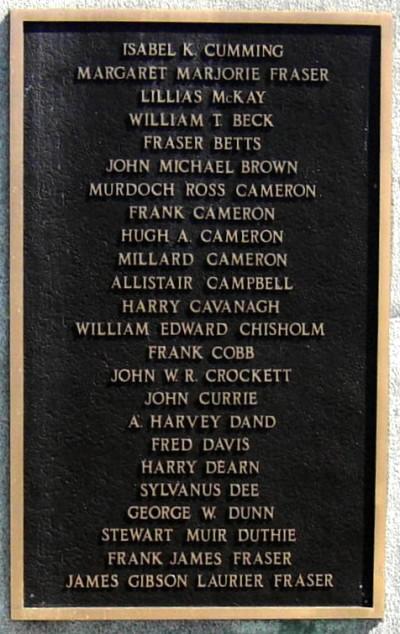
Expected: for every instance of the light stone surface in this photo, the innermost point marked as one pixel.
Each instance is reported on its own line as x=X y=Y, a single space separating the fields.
x=391 y=622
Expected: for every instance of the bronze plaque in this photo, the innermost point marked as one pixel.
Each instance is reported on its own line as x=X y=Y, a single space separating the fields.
x=199 y=296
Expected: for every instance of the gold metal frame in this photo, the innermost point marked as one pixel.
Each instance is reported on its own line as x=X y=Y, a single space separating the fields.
x=18 y=610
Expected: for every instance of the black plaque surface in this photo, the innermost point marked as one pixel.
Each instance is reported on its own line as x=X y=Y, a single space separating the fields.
x=268 y=177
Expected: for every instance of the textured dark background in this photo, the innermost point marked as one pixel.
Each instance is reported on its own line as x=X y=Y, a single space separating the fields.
x=80 y=460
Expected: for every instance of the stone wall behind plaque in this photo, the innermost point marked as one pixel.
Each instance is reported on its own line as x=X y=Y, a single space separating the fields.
x=391 y=623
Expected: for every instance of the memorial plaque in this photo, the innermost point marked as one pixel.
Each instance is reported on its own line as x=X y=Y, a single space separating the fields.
x=199 y=314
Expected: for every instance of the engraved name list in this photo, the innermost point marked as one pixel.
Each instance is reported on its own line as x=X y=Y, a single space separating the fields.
x=201 y=280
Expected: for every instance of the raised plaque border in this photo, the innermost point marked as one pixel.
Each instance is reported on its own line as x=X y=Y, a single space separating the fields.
x=18 y=609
